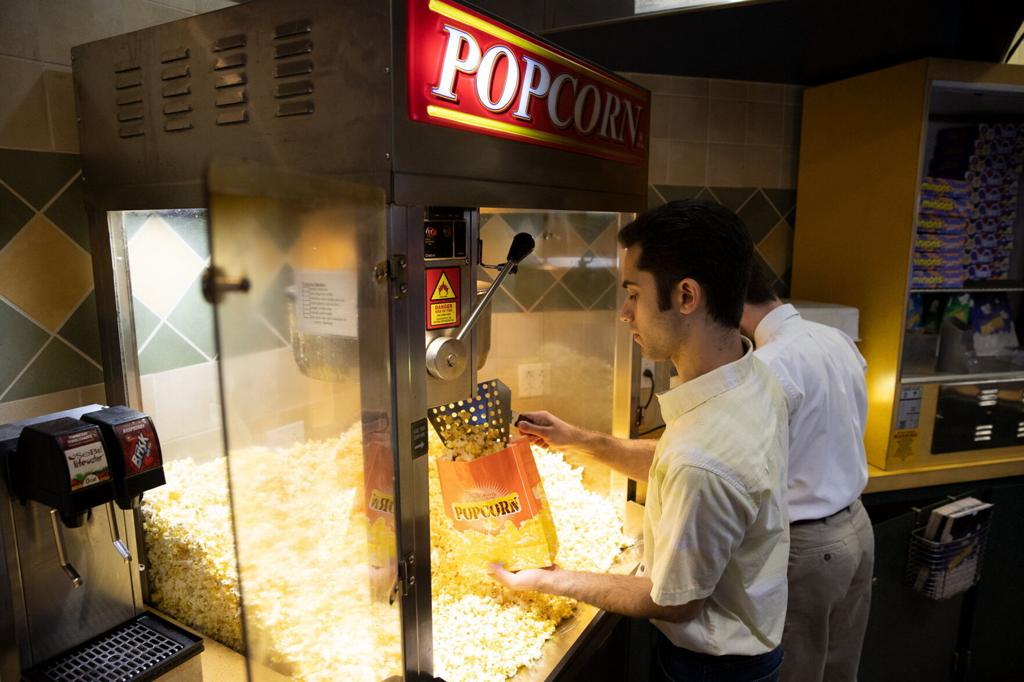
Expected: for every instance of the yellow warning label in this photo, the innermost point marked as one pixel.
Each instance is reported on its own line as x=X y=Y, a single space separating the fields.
x=906 y=443
x=443 y=313
x=443 y=291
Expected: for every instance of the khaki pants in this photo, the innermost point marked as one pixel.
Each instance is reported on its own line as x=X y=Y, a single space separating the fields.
x=830 y=568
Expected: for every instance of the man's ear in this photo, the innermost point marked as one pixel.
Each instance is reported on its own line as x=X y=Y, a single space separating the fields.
x=689 y=296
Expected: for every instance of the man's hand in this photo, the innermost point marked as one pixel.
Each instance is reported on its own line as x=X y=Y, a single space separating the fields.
x=548 y=430
x=530 y=579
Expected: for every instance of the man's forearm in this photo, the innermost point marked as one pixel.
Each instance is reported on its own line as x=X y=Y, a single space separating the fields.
x=624 y=594
x=631 y=457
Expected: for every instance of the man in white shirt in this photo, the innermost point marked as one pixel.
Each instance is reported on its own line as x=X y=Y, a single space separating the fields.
x=713 y=575
x=832 y=545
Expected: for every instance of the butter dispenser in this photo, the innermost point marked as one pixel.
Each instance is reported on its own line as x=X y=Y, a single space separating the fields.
x=133 y=447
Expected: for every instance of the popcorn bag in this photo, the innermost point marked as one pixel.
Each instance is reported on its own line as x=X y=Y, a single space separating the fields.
x=499 y=501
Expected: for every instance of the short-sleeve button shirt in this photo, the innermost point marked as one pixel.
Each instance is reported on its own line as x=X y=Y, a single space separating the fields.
x=715 y=518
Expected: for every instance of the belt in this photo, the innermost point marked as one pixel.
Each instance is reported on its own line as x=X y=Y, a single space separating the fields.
x=803 y=522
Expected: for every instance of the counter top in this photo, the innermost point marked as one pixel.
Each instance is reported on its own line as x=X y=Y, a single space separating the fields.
x=880 y=480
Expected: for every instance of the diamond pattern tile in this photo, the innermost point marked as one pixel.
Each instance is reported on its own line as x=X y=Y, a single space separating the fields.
x=496 y=236
x=37 y=176
x=759 y=216
x=607 y=245
x=167 y=350
x=503 y=303
x=654 y=199
x=275 y=301
x=82 y=329
x=529 y=284
x=14 y=213
x=560 y=246
x=190 y=224
x=609 y=300
x=44 y=273
x=193 y=319
x=68 y=213
x=57 y=368
x=777 y=247
x=590 y=226
x=557 y=298
x=526 y=222
x=732 y=197
x=677 y=192
x=587 y=284
x=784 y=200
x=20 y=339
x=133 y=222
x=146 y=322
x=162 y=266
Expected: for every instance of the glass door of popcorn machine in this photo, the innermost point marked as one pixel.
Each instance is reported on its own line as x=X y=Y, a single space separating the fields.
x=302 y=326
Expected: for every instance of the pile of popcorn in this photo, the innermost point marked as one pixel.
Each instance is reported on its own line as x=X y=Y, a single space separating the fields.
x=311 y=609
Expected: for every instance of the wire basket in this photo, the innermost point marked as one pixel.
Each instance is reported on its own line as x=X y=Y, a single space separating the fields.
x=940 y=570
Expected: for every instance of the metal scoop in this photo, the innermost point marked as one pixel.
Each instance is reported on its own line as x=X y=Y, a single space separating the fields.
x=485 y=419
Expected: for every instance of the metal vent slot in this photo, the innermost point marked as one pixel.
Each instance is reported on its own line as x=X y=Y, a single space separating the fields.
x=229 y=42
x=174 y=72
x=133 y=113
x=229 y=61
x=226 y=80
x=232 y=116
x=298 y=68
x=229 y=97
x=131 y=131
x=294 y=89
x=129 y=79
x=174 y=55
x=175 y=124
x=988 y=397
x=177 y=107
x=127 y=65
x=295 y=108
x=293 y=28
x=982 y=432
x=292 y=49
x=177 y=89
x=129 y=98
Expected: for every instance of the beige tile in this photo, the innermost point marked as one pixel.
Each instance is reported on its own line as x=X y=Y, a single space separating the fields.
x=764 y=123
x=689 y=119
x=657 y=83
x=720 y=88
x=761 y=166
x=19 y=28
x=162 y=266
x=60 y=98
x=725 y=165
x=726 y=121
x=66 y=23
x=96 y=393
x=690 y=87
x=788 y=166
x=793 y=94
x=777 y=247
x=16 y=410
x=44 y=273
x=661 y=115
x=23 y=119
x=687 y=163
x=791 y=117
x=657 y=168
x=764 y=92
x=140 y=14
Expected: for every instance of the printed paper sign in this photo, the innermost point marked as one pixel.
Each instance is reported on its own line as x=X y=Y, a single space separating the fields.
x=325 y=302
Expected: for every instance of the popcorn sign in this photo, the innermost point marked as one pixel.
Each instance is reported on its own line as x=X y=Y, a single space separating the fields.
x=469 y=72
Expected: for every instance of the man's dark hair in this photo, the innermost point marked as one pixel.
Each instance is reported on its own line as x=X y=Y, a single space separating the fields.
x=700 y=240
x=759 y=288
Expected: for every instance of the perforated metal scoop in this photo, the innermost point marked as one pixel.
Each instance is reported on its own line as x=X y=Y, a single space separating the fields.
x=482 y=422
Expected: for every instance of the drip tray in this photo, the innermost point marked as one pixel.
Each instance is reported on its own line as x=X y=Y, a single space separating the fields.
x=140 y=649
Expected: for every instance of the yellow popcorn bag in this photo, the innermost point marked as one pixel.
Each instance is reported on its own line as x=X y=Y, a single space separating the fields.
x=498 y=501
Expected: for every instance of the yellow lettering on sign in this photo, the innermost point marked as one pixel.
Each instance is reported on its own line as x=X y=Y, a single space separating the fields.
x=443 y=291
x=443 y=313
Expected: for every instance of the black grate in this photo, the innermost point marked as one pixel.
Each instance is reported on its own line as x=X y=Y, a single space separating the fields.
x=136 y=650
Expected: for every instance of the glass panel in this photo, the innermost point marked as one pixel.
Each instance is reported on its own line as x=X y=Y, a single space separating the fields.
x=552 y=341
x=306 y=403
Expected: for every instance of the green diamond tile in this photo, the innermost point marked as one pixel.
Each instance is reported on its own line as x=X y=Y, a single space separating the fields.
x=558 y=298
x=242 y=333
x=529 y=284
x=68 y=213
x=608 y=300
x=58 y=368
x=654 y=199
x=37 y=176
x=732 y=197
x=190 y=224
x=20 y=339
x=14 y=213
x=759 y=216
x=167 y=350
x=587 y=284
x=146 y=321
x=759 y=261
x=193 y=318
x=503 y=303
x=82 y=329
x=791 y=218
x=706 y=195
x=784 y=200
x=678 y=192
x=276 y=299
x=590 y=226
x=133 y=222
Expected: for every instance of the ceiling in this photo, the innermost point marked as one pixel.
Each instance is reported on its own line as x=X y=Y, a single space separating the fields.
x=786 y=41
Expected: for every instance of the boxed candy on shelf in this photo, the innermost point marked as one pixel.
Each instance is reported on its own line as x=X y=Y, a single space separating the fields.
x=932 y=185
x=944 y=203
x=943 y=243
x=941 y=223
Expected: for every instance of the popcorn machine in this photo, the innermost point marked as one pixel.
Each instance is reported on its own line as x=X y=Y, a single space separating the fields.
x=355 y=188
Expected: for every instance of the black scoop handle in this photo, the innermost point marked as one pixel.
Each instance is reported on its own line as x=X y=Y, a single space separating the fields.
x=521 y=247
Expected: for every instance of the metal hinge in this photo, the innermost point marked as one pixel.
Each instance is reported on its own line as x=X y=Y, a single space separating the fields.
x=393 y=270
x=407 y=574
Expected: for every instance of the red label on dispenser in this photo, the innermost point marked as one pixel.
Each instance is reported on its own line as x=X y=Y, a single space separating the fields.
x=443 y=299
x=139 y=446
x=86 y=458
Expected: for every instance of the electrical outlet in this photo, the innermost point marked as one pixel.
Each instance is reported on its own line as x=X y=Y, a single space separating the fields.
x=533 y=379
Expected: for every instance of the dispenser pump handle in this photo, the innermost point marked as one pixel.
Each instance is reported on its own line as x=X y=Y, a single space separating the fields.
x=521 y=247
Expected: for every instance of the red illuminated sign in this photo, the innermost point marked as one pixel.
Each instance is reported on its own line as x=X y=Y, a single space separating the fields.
x=469 y=72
